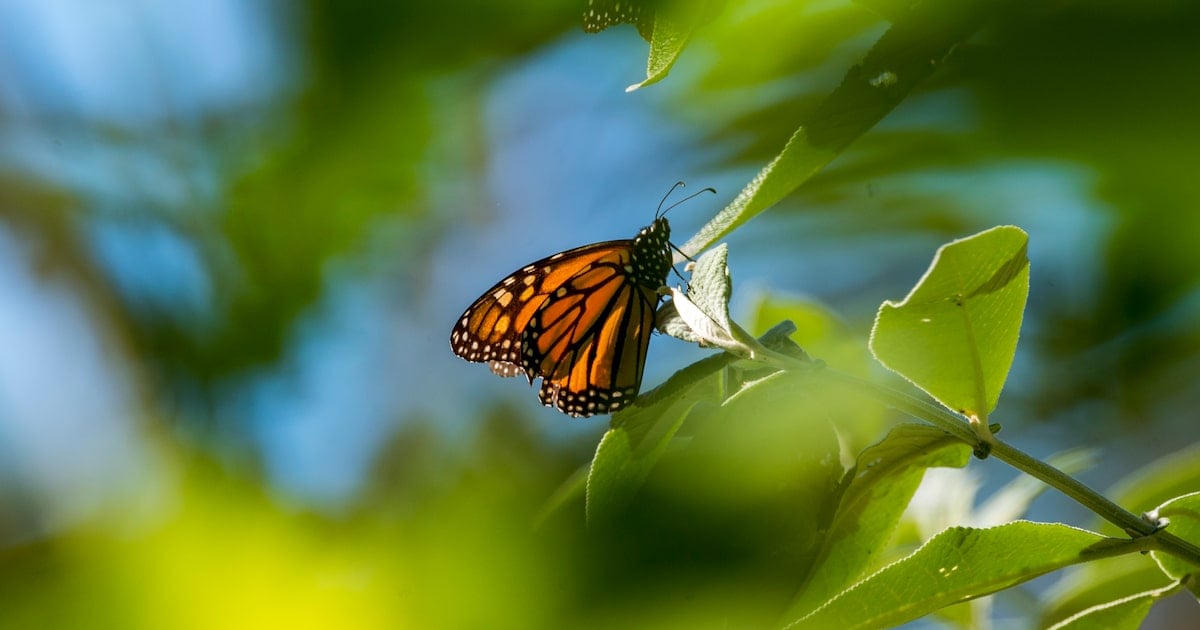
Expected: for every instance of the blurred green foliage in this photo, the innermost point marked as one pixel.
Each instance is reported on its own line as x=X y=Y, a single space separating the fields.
x=447 y=531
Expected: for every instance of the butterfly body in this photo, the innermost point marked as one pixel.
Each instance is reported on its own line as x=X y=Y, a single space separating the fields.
x=580 y=319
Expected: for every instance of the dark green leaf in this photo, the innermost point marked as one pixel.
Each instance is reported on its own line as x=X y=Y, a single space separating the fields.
x=875 y=494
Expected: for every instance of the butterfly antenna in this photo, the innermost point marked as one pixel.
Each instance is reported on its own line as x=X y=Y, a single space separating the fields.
x=685 y=199
x=658 y=213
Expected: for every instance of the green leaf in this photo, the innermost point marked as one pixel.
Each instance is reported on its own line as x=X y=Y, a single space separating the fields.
x=821 y=333
x=876 y=492
x=640 y=433
x=1123 y=614
x=958 y=564
x=672 y=31
x=1140 y=491
x=674 y=23
x=762 y=466
x=1096 y=583
x=667 y=24
x=572 y=489
x=702 y=315
x=1165 y=477
x=819 y=330
x=630 y=449
x=1184 y=515
x=798 y=161
x=891 y=9
x=904 y=56
x=710 y=285
x=955 y=334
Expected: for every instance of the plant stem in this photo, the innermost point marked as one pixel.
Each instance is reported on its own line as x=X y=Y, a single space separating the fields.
x=1132 y=524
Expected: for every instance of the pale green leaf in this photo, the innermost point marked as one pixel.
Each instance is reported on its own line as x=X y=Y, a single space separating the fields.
x=819 y=330
x=1096 y=583
x=955 y=334
x=685 y=320
x=959 y=564
x=701 y=315
x=710 y=285
x=671 y=34
x=1126 y=613
x=1184 y=516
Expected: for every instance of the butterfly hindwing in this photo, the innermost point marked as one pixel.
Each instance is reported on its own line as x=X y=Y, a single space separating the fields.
x=601 y=371
x=590 y=343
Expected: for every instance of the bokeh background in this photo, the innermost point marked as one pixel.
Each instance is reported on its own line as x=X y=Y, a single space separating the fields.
x=234 y=237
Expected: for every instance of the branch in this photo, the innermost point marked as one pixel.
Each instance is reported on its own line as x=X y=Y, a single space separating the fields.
x=959 y=427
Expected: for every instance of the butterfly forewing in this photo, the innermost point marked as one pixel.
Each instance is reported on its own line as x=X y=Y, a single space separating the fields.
x=489 y=331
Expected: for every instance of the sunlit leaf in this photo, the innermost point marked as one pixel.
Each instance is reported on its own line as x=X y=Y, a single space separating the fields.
x=1184 y=516
x=1126 y=613
x=1097 y=583
x=819 y=330
x=960 y=563
x=955 y=334
x=667 y=25
x=666 y=44
x=701 y=314
x=1107 y=580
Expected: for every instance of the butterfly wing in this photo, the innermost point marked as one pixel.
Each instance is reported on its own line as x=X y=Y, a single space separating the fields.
x=581 y=320
x=589 y=342
x=490 y=330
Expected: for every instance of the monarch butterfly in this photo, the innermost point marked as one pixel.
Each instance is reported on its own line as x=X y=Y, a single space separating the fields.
x=580 y=319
